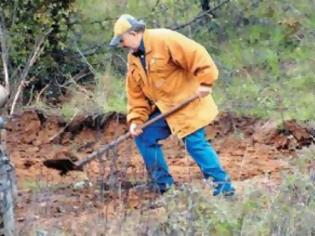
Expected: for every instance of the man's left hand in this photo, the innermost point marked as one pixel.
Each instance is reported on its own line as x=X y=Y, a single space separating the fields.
x=203 y=90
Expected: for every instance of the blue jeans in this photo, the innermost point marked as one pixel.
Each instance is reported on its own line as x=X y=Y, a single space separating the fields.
x=197 y=146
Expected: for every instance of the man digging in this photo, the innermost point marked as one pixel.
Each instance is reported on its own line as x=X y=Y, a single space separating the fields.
x=165 y=68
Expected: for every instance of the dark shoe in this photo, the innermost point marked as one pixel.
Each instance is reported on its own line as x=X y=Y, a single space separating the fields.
x=224 y=189
x=155 y=188
x=160 y=189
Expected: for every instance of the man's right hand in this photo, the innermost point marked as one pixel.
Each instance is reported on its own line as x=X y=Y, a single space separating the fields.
x=135 y=130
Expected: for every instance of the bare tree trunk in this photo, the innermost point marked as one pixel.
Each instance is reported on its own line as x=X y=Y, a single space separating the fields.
x=7 y=195
x=4 y=90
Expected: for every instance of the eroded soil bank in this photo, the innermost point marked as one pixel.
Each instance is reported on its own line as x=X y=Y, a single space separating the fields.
x=248 y=148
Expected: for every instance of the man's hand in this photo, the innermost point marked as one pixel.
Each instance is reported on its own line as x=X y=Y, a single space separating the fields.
x=135 y=130
x=203 y=90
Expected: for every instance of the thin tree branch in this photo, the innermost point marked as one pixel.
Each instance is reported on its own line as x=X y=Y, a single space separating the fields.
x=15 y=72
x=38 y=48
x=90 y=51
x=22 y=85
x=15 y=6
x=41 y=92
x=157 y=3
x=103 y=20
x=76 y=77
x=81 y=88
x=36 y=52
x=200 y=16
x=63 y=129
x=121 y=58
x=86 y=61
x=31 y=96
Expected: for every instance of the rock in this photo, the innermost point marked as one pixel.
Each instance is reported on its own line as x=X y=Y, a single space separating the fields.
x=41 y=233
x=82 y=184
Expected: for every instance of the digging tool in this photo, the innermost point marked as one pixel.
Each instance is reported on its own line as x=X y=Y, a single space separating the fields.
x=65 y=165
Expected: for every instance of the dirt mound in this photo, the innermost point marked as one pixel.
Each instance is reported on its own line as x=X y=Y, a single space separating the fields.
x=247 y=146
x=255 y=145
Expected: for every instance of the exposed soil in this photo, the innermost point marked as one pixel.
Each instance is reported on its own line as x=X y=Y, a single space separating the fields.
x=248 y=148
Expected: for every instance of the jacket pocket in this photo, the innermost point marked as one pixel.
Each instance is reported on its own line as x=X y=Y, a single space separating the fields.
x=160 y=71
x=158 y=64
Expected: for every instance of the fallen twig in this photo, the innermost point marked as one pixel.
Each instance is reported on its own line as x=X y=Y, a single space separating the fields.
x=63 y=129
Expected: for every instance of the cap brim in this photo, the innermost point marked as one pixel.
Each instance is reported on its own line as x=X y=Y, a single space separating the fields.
x=115 y=41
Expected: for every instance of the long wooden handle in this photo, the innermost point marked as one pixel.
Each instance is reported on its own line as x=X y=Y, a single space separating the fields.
x=171 y=111
x=123 y=137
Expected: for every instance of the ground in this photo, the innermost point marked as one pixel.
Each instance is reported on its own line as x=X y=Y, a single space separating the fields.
x=249 y=148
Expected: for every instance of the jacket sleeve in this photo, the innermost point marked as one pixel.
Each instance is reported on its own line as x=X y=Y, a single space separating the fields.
x=138 y=106
x=192 y=57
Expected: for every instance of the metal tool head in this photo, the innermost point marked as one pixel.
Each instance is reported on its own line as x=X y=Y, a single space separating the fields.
x=63 y=165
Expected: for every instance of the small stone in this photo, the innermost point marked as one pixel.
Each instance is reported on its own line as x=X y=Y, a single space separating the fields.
x=41 y=233
x=82 y=184
x=20 y=219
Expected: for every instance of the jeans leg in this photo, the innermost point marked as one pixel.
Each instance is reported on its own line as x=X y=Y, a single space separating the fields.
x=208 y=161
x=150 y=149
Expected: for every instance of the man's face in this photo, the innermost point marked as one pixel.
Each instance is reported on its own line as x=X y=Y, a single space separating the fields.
x=130 y=40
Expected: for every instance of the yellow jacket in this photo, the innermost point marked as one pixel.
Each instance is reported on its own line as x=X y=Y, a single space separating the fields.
x=175 y=67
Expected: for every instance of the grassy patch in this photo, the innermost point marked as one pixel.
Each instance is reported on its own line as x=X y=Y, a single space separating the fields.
x=285 y=209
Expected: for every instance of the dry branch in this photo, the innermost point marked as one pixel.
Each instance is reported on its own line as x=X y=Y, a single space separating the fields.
x=37 y=50
x=157 y=3
x=22 y=85
x=63 y=129
x=200 y=16
x=41 y=92
x=81 y=88
x=86 y=61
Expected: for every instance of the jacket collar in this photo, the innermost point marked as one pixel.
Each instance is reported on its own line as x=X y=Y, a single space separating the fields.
x=141 y=50
x=147 y=41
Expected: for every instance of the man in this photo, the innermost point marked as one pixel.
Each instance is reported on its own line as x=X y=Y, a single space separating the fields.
x=165 y=68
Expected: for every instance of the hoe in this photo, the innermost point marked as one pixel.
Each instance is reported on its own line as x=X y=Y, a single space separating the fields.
x=65 y=165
